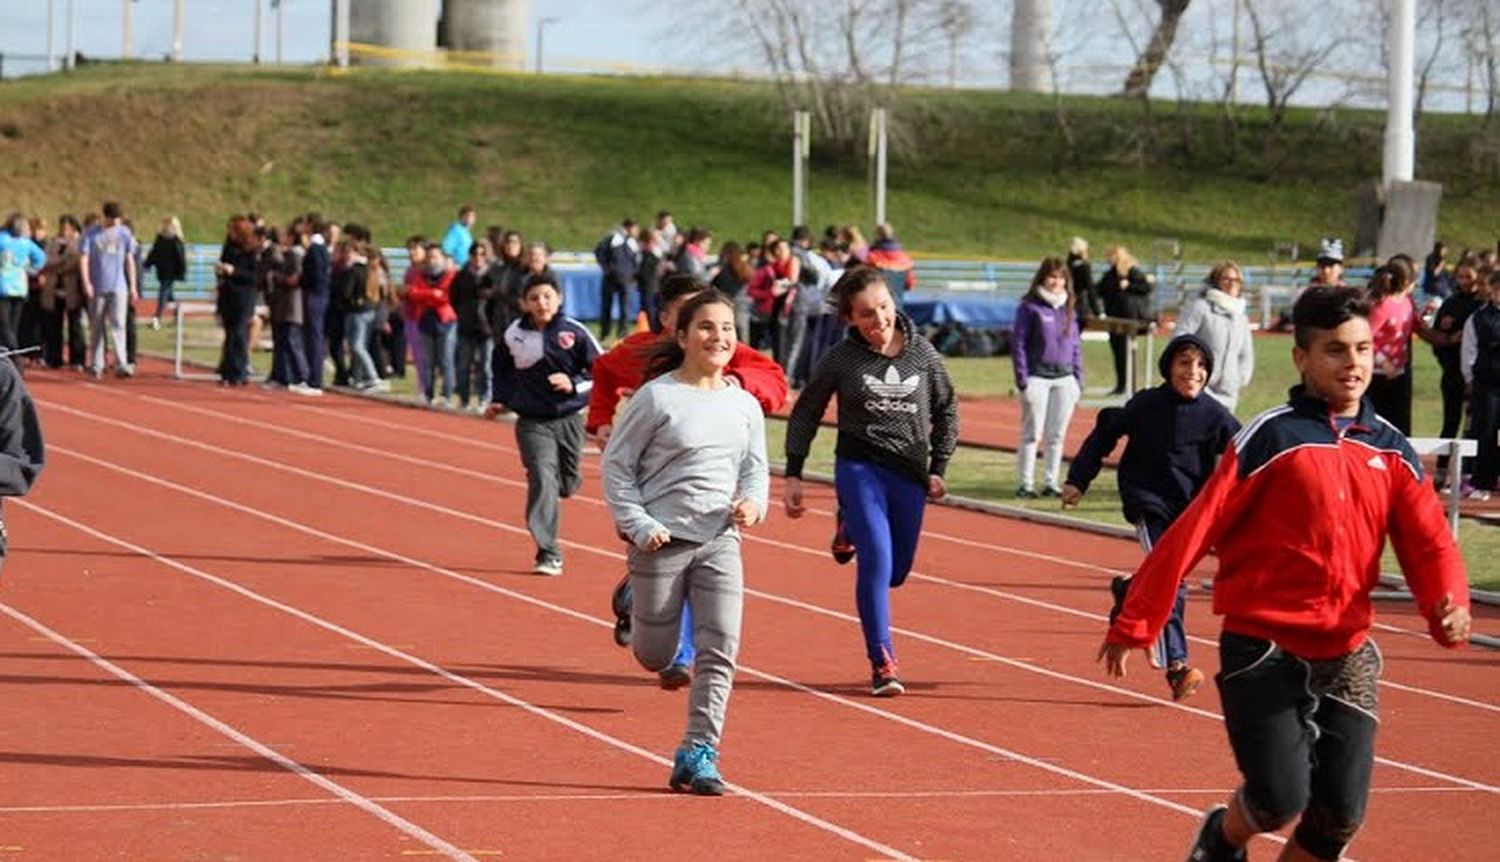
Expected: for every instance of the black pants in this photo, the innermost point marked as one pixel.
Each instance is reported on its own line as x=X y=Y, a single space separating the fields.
x=10 y=321
x=1486 y=418
x=1303 y=734
x=237 y=309
x=393 y=345
x=612 y=289
x=1118 y=345
x=1392 y=399
x=52 y=325
x=314 y=319
x=1455 y=402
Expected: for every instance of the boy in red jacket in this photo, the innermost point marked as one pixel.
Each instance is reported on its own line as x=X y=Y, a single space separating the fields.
x=617 y=374
x=1299 y=509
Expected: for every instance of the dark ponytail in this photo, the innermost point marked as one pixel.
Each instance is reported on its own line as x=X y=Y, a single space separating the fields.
x=666 y=355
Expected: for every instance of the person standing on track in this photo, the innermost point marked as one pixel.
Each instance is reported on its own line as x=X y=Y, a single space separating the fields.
x=898 y=426
x=1177 y=431
x=1048 y=357
x=22 y=452
x=684 y=471
x=1299 y=510
x=543 y=372
x=619 y=373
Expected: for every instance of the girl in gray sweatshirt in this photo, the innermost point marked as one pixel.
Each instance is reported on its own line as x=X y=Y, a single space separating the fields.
x=684 y=471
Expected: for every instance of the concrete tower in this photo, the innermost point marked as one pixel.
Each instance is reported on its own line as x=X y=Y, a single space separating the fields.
x=495 y=27
x=1030 y=43
x=400 y=25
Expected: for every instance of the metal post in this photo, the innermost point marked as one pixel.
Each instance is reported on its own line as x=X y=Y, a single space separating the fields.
x=260 y=10
x=51 y=36
x=880 y=149
x=279 y=5
x=341 y=33
x=177 y=30
x=72 y=60
x=125 y=27
x=1400 y=143
x=801 y=134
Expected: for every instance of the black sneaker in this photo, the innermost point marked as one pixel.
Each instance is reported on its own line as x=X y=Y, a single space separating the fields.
x=1209 y=844
x=883 y=681
x=1050 y=491
x=1118 y=585
x=841 y=548
x=621 y=601
x=1025 y=493
x=675 y=677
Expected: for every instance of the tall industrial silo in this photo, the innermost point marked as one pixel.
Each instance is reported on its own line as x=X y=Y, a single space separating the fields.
x=495 y=27
x=401 y=32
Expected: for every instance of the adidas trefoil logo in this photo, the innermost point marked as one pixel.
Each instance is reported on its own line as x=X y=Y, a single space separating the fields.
x=893 y=386
x=1377 y=462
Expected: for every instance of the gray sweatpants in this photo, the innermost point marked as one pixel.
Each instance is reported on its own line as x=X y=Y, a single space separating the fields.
x=550 y=449
x=712 y=576
x=1046 y=407
x=107 y=313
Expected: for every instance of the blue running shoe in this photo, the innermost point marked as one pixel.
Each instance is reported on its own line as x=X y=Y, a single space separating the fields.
x=695 y=769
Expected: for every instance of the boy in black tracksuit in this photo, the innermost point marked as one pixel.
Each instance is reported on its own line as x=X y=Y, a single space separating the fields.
x=21 y=451
x=543 y=370
x=1176 y=436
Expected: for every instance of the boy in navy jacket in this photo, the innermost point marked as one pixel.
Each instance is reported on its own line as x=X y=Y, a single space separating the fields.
x=1298 y=511
x=543 y=372
x=1177 y=433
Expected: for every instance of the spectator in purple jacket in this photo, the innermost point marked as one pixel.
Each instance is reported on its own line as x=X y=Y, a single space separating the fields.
x=1048 y=356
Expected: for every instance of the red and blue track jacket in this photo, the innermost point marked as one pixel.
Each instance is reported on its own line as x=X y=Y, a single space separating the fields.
x=1299 y=513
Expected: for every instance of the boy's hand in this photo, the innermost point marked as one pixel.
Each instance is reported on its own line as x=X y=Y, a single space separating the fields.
x=493 y=409
x=560 y=382
x=658 y=540
x=603 y=433
x=745 y=513
x=937 y=489
x=791 y=498
x=1071 y=495
x=1454 y=621
x=1113 y=656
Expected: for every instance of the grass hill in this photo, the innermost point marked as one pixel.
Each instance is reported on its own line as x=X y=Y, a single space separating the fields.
x=562 y=158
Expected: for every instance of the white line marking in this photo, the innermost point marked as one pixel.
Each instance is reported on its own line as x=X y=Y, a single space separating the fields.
x=458 y=679
x=569 y=612
x=915 y=575
x=412 y=501
x=343 y=793
x=571 y=798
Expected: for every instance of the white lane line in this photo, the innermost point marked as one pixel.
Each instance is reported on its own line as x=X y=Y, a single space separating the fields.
x=343 y=793
x=457 y=679
x=445 y=510
x=1214 y=793
x=820 y=553
x=569 y=612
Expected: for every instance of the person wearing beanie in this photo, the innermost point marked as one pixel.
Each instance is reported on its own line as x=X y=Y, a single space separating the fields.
x=1176 y=436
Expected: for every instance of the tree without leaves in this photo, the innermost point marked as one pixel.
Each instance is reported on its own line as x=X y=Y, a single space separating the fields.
x=1283 y=61
x=1148 y=62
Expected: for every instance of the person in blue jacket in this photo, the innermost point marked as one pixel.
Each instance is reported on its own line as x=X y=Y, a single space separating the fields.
x=543 y=371
x=20 y=257
x=1176 y=436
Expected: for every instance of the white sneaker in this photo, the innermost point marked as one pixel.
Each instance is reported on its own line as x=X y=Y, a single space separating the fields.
x=1478 y=495
x=549 y=567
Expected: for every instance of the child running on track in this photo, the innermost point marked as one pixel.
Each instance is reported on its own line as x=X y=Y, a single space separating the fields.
x=684 y=471
x=1299 y=509
x=1177 y=432
x=22 y=453
x=618 y=373
x=542 y=371
x=898 y=426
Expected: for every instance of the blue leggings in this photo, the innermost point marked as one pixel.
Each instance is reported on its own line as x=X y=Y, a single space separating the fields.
x=882 y=518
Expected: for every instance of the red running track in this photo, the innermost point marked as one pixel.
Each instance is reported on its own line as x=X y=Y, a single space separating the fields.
x=249 y=625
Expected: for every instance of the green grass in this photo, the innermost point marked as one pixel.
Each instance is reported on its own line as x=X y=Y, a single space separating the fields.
x=562 y=158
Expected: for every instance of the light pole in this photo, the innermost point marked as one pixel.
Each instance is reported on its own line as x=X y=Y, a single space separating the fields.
x=125 y=28
x=177 y=31
x=280 y=28
x=541 y=24
x=1400 y=145
x=72 y=60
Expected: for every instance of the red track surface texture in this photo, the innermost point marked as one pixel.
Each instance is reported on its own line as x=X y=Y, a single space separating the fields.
x=239 y=625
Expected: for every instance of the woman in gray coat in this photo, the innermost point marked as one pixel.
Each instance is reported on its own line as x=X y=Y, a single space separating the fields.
x=1217 y=315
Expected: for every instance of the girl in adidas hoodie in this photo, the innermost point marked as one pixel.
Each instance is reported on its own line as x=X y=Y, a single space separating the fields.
x=1048 y=356
x=898 y=425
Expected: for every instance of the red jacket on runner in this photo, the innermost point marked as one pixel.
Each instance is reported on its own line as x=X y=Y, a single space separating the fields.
x=624 y=367
x=1299 y=513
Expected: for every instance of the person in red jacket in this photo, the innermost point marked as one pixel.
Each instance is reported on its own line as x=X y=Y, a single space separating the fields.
x=1299 y=510
x=437 y=322
x=617 y=374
